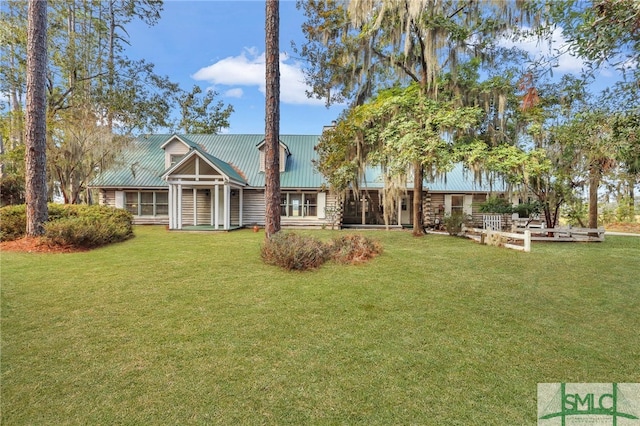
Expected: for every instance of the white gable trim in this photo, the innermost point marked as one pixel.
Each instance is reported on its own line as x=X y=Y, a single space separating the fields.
x=174 y=138
x=169 y=174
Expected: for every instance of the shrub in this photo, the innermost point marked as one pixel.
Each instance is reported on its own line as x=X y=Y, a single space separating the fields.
x=297 y=252
x=72 y=224
x=11 y=190
x=354 y=249
x=13 y=222
x=454 y=222
x=292 y=251
x=87 y=232
x=625 y=211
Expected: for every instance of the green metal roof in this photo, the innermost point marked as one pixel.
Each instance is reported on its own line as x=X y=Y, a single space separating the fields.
x=142 y=164
x=457 y=180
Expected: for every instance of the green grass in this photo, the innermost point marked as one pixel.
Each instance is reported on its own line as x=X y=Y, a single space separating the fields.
x=174 y=328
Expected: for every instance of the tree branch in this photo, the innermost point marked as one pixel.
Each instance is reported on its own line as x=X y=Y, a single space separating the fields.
x=393 y=61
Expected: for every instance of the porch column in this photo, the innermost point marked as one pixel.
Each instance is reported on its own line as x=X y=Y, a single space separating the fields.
x=400 y=211
x=227 y=209
x=195 y=206
x=240 y=196
x=217 y=206
x=179 y=204
x=171 y=206
x=211 y=206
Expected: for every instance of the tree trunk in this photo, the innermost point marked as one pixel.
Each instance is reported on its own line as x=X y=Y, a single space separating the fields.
x=594 y=182
x=272 y=119
x=35 y=134
x=1 y=153
x=418 y=218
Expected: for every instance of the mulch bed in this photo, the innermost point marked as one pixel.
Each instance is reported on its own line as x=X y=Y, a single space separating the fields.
x=623 y=227
x=36 y=245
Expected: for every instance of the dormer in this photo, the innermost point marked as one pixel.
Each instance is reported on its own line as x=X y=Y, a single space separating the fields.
x=175 y=148
x=284 y=153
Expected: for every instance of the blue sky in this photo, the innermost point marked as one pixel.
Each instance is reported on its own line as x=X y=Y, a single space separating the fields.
x=219 y=45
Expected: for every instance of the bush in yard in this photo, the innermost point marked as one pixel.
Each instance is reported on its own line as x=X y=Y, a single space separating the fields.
x=89 y=226
x=13 y=222
x=354 y=248
x=292 y=251
x=72 y=224
x=454 y=222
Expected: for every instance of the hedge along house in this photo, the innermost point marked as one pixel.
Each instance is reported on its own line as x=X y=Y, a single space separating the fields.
x=216 y=182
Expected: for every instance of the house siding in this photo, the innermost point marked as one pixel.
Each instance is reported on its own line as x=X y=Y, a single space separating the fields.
x=437 y=212
x=107 y=198
x=204 y=206
x=235 y=208
x=187 y=207
x=254 y=208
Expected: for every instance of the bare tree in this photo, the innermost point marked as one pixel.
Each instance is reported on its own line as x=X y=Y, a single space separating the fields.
x=35 y=126
x=272 y=119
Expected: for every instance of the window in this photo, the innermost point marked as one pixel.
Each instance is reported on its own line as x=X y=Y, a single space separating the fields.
x=457 y=204
x=174 y=158
x=299 y=204
x=147 y=203
x=131 y=202
x=162 y=203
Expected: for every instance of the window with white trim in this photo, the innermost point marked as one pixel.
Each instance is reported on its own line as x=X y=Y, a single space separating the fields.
x=457 y=204
x=174 y=158
x=147 y=203
x=299 y=204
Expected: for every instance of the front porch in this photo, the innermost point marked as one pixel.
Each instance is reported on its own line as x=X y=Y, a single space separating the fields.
x=204 y=192
x=217 y=207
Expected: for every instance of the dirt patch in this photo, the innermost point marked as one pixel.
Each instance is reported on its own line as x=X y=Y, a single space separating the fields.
x=623 y=227
x=36 y=245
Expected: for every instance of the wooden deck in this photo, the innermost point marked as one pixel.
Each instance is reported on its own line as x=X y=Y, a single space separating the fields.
x=521 y=238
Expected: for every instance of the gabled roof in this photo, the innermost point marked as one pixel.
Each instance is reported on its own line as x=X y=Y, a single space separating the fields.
x=141 y=165
x=239 y=152
x=219 y=165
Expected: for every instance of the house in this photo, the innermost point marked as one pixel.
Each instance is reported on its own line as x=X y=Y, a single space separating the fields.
x=217 y=182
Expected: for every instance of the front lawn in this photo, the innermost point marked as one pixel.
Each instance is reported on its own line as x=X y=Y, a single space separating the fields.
x=176 y=328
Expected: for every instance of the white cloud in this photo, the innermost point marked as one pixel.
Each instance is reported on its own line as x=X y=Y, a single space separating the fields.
x=234 y=93
x=554 y=49
x=248 y=69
